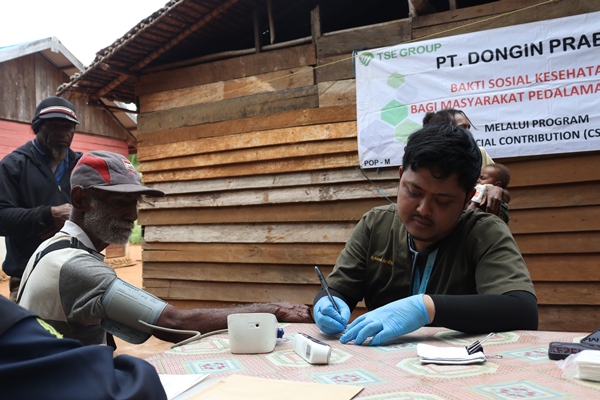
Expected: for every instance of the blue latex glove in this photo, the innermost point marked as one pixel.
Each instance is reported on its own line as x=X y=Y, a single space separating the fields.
x=392 y=320
x=327 y=319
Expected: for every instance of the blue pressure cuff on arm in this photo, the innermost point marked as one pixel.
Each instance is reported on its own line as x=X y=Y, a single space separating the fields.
x=484 y=313
x=349 y=301
x=125 y=305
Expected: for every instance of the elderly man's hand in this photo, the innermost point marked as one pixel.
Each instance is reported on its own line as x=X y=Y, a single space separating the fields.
x=60 y=214
x=291 y=312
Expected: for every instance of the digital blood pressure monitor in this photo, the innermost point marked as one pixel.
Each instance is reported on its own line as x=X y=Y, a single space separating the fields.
x=312 y=350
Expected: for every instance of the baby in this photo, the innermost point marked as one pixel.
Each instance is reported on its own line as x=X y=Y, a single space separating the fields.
x=491 y=175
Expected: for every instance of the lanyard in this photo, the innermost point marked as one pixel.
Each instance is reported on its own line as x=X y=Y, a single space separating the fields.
x=419 y=283
x=419 y=286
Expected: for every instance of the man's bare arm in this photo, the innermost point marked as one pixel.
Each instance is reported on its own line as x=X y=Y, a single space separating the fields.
x=206 y=320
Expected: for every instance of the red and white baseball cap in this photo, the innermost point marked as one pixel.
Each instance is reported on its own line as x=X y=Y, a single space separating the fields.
x=110 y=172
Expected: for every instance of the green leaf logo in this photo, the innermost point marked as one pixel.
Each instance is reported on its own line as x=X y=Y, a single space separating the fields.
x=365 y=58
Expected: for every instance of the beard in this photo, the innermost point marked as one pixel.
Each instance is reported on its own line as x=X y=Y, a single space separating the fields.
x=58 y=153
x=99 y=222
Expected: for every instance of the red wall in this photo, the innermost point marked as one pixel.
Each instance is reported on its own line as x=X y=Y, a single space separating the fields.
x=14 y=134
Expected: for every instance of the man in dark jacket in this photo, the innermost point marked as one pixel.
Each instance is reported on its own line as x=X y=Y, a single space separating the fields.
x=36 y=363
x=35 y=187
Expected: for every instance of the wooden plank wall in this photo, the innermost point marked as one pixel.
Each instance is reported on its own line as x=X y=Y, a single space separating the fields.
x=258 y=156
x=15 y=134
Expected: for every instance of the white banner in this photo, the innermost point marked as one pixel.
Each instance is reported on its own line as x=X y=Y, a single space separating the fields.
x=528 y=89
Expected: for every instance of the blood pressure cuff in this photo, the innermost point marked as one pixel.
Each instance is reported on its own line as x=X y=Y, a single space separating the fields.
x=125 y=305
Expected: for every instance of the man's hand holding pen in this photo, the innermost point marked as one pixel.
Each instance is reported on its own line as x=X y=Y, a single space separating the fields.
x=331 y=313
x=328 y=319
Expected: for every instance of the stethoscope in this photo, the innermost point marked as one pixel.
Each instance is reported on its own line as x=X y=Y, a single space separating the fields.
x=418 y=284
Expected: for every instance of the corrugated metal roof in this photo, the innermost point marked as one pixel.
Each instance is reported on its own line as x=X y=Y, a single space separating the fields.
x=51 y=48
x=58 y=55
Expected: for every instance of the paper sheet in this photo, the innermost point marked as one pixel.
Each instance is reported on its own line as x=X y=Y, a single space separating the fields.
x=176 y=384
x=447 y=355
x=236 y=387
x=582 y=365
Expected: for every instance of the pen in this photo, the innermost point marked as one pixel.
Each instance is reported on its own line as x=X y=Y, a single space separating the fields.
x=326 y=288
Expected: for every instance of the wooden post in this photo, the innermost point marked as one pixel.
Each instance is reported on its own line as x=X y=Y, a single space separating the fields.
x=257 y=45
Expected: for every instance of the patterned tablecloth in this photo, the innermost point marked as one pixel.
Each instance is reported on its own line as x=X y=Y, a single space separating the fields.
x=517 y=366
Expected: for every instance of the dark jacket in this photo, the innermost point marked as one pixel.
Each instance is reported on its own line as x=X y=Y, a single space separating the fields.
x=28 y=189
x=35 y=364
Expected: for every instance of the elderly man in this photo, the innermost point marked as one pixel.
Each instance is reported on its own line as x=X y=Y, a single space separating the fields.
x=68 y=284
x=34 y=185
x=426 y=260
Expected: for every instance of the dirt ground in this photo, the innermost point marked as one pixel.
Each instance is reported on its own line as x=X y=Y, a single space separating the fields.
x=131 y=272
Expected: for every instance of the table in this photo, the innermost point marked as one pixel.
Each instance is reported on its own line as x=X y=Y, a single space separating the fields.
x=517 y=366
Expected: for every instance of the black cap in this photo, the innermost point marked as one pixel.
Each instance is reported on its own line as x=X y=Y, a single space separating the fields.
x=55 y=107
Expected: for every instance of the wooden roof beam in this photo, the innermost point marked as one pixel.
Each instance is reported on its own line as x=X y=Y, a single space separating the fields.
x=154 y=55
x=120 y=71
